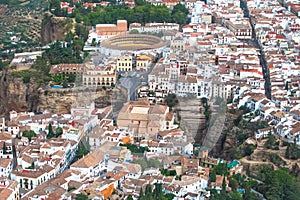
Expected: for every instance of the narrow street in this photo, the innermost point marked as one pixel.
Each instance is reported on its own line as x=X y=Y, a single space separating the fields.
x=255 y=43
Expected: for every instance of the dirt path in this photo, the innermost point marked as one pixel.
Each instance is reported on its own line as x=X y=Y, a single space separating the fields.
x=244 y=160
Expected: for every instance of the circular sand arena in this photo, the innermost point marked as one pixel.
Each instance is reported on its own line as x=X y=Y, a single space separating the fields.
x=133 y=42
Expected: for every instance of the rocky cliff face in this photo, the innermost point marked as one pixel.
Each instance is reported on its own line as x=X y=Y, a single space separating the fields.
x=53 y=28
x=14 y=94
x=20 y=96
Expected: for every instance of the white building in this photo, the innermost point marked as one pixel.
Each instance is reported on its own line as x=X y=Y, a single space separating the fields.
x=6 y=166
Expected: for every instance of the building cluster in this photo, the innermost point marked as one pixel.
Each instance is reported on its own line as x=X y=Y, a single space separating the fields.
x=221 y=53
x=25 y=60
x=144 y=118
x=41 y=167
x=153 y=27
x=275 y=24
x=104 y=173
x=104 y=31
x=69 y=8
x=91 y=75
x=105 y=73
x=29 y=156
x=168 y=3
x=210 y=58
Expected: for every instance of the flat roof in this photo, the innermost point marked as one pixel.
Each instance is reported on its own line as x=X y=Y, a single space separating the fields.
x=106 y=25
x=140 y=110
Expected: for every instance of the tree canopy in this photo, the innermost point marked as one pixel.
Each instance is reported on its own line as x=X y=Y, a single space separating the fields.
x=29 y=134
x=50 y=131
x=83 y=149
x=60 y=53
x=81 y=197
x=279 y=184
x=154 y=193
x=171 y=100
x=142 y=13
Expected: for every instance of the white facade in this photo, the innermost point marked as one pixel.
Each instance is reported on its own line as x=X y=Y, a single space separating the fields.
x=6 y=165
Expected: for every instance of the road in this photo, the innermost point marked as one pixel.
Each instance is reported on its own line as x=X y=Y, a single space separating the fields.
x=259 y=194
x=262 y=59
x=133 y=80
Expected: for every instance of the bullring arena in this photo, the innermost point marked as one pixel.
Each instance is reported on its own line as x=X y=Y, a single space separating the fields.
x=131 y=43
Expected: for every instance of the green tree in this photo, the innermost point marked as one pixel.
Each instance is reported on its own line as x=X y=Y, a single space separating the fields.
x=65 y=84
x=58 y=78
x=135 y=149
x=271 y=142
x=169 y=196
x=42 y=64
x=287 y=85
x=235 y=196
x=237 y=120
x=213 y=176
x=78 y=17
x=221 y=169
x=235 y=153
x=215 y=195
x=171 y=100
x=81 y=31
x=148 y=190
x=82 y=149
x=141 y=196
x=180 y=8
x=248 y=149
x=29 y=134
x=1 y=65
x=4 y=148
x=26 y=79
x=263 y=172
x=129 y=197
x=204 y=101
x=223 y=191
x=69 y=37
x=81 y=197
x=157 y=193
x=140 y=2
x=233 y=183
x=58 y=131
x=50 y=131
x=247 y=195
x=134 y=31
x=179 y=17
x=281 y=185
x=55 y=4
x=292 y=151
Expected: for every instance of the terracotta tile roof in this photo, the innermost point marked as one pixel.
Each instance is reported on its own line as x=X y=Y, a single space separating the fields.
x=133 y=168
x=5 y=136
x=5 y=193
x=27 y=158
x=5 y=162
x=153 y=124
x=75 y=184
x=169 y=116
x=265 y=101
x=9 y=123
x=89 y=160
x=219 y=181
